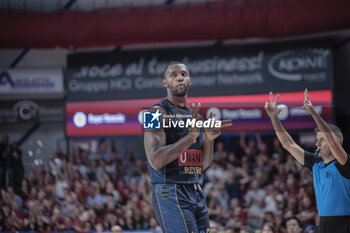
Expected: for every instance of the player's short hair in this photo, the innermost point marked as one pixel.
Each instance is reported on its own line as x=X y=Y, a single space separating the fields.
x=336 y=130
x=173 y=63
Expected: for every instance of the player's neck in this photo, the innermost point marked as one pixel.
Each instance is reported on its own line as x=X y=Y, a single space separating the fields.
x=180 y=101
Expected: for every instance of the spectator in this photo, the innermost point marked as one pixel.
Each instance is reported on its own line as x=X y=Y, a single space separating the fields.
x=214 y=226
x=249 y=148
x=247 y=229
x=111 y=163
x=154 y=225
x=223 y=197
x=236 y=177
x=127 y=168
x=105 y=151
x=292 y=206
x=61 y=184
x=215 y=172
x=294 y=225
x=116 y=229
x=267 y=217
x=13 y=196
x=220 y=154
x=4 y=150
x=233 y=228
x=254 y=194
x=268 y=228
x=271 y=199
x=255 y=212
x=16 y=165
x=95 y=197
x=307 y=213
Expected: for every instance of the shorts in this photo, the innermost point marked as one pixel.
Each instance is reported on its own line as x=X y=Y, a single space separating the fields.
x=180 y=208
x=334 y=224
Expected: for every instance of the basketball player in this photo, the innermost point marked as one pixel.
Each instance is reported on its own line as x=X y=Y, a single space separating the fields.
x=177 y=158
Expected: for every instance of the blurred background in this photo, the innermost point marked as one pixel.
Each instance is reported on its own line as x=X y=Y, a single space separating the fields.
x=76 y=75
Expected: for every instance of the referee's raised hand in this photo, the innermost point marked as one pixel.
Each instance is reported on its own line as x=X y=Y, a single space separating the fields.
x=271 y=107
x=307 y=107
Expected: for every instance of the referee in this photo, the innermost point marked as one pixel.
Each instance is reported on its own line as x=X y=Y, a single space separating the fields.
x=330 y=166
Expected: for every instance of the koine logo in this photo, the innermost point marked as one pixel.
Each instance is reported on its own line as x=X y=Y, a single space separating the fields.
x=151 y=120
x=297 y=65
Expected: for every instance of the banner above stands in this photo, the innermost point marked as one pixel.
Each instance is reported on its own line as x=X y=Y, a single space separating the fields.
x=216 y=70
x=31 y=83
x=108 y=91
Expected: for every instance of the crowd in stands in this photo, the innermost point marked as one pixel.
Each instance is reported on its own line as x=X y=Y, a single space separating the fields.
x=256 y=185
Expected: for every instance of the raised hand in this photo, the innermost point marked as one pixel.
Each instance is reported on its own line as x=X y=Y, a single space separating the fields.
x=212 y=132
x=307 y=107
x=271 y=107
x=194 y=131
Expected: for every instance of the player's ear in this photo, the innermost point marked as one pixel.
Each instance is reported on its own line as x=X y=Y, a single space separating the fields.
x=190 y=81
x=164 y=82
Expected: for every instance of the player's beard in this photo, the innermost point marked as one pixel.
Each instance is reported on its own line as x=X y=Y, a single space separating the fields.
x=180 y=93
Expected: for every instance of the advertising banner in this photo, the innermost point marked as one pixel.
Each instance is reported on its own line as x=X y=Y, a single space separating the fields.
x=30 y=111
x=215 y=71
x=17 y=83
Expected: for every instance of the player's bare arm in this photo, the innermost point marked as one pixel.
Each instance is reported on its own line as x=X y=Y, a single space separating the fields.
x=331 y=139
x=208 y=144
x=158 y=153
x=283 y=136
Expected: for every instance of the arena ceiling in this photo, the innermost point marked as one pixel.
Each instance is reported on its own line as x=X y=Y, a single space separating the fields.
x=91 y=23
x=57 y=27
x=88 y=5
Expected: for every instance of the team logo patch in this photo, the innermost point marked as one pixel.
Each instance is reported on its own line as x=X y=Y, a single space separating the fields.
x=328 y=174
x=191 y=158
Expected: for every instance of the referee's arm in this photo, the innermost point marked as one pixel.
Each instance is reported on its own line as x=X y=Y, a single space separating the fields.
x=283 y=136
x=332 y=141
x=287 y=141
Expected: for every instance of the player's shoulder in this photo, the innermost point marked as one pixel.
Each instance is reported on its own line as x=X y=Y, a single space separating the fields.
x=157 y=107
x=152 y=119
x=162 y=105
